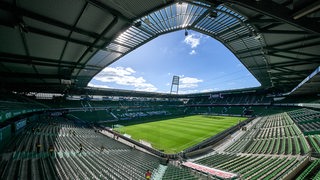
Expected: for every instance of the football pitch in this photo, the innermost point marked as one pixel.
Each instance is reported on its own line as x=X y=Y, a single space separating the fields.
x=176 y=134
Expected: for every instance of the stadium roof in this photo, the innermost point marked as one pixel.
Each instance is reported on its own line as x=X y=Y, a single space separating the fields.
x=52 y=46
x=310 y=84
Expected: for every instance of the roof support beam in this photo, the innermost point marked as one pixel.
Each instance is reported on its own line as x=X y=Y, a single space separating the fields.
x=286 y=72
x=104 y=32
x=71 y=31
x=290 y=63
x=269 y=26
x=236 y=38
x=309 y=60
x=293 y=73
x=291 y=80
x=109 y=27
x=117 y=15
x=23 y=37
x=229 y=30
x=279 y=12
x=262 y=21
x=60 y=37
x=317 y=43
x=31 y=75
x=294 y=41
x=281 y=64
x=124 y=45
x=53 y=35
x=108 y=10
x=203 y=15
x=265 y=24
x=284 y=32
x=10 y=8
x=274 y=51
x=21 y=59
x=26 y=49
x=285 y=79
x=286 y=43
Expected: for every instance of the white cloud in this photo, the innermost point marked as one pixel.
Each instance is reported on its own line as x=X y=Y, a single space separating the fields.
x=207 y=90
x=189 y=82
x=210 y=90
x=98 y=85
x=193 y=40
x=188 y=91
x=124 y=76
x=192 y=52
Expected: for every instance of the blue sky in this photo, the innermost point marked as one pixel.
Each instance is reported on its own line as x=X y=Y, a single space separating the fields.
x=202 y=63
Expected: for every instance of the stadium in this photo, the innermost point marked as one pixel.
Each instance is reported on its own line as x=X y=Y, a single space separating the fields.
x=54 y=126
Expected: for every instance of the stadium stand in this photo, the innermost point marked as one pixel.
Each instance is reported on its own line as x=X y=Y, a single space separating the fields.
x=274 y=134
x=312 y=172
x=52 y=126
x=13 y=105
x=174 y=172
x=124 y=109
x=314 y=140
x=252 y=167
x=307 y=119
x=68 y=161
x=232 y=99
x=271 y=148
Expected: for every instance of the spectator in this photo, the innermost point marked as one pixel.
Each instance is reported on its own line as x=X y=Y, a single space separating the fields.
x=51 y=150
x=148 y=175
x=38 y=146
x=80 y=148
x=167 y=161
x=102 y=148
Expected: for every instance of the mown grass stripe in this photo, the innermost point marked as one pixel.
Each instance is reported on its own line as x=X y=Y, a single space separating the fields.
x=174 y=135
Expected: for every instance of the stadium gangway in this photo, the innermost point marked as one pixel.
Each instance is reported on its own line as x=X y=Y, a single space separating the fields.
x=212 y=171
x=48 y=168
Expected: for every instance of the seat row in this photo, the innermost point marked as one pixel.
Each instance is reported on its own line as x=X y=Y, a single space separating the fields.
x=252 y=167
x=79 y=153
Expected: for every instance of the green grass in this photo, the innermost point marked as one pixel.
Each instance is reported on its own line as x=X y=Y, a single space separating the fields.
x=177 y=134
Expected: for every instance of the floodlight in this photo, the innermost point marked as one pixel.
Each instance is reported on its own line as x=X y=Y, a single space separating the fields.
x=66 y=81
x=147 y=21
x=257 y=37
x=138 y=24
x=213 y=14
